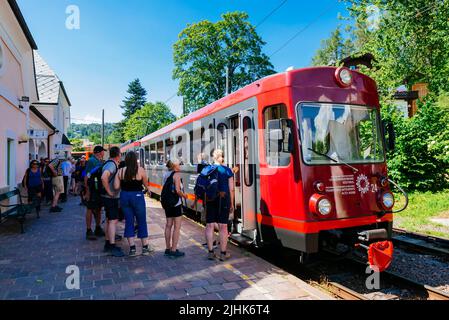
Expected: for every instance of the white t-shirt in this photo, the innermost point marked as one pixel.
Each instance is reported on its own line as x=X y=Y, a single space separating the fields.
x=166 y=175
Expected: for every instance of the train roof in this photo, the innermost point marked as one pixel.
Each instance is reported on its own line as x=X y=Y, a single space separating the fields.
x=306 y=77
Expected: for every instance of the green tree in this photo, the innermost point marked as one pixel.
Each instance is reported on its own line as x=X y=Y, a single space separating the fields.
x=135 y=100
x=409 y=39
x=117 y=134
x=333 y=50
x=152 y=117
x=205 y=50
x=421 y=159
x=77 y=145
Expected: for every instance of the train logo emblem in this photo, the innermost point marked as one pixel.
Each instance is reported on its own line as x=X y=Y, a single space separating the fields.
x=363 y=184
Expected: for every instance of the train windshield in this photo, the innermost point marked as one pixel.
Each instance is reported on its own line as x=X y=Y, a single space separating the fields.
x=334 y=133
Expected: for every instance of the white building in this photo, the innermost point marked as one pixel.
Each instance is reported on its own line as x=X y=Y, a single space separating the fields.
x=17 y=89
x=54 y=105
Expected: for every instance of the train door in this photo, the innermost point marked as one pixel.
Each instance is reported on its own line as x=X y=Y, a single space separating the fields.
x=248 y=173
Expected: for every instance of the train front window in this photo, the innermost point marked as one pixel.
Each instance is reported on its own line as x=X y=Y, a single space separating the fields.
x=332 y=133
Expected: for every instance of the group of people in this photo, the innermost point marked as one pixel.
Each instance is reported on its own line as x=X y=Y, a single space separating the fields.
x=120 y=187
x=219 y=208
x=49 y=180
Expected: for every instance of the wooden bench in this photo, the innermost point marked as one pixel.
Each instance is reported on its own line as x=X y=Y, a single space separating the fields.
x=18 y=210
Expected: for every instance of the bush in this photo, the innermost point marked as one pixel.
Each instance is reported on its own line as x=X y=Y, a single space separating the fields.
x=421 y=159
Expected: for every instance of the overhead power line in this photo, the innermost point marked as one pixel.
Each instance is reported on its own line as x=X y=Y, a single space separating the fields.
x=303 y=29
x=271 y=13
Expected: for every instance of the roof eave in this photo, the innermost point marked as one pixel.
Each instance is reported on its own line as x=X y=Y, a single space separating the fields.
x=65 y=93
x=16 y=10
x=42 y=117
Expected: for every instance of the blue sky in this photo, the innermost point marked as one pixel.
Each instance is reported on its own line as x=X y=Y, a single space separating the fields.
x=120 y=40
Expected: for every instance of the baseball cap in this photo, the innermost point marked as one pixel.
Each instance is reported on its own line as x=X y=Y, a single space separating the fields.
x=99 y=149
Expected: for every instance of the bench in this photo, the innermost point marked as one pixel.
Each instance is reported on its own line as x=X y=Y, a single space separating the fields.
x=18 y=210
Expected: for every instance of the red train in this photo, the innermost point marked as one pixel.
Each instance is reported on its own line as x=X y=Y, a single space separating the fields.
x=311 y=152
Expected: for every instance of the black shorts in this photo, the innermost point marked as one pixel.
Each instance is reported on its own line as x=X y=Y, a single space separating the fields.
x=34 y=191
x=174 y=212
x=111 y=207
x=95 y=202
x=217 y=211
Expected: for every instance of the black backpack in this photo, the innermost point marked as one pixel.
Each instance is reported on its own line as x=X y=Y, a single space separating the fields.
x=94 y=180
x=169 y=197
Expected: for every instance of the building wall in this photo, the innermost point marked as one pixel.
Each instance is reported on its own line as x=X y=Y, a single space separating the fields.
x=16 y=80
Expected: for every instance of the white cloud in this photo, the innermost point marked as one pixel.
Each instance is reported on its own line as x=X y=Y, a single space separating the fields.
x=88 y=119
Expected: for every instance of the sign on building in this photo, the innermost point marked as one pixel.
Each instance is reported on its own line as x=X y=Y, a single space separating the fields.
x=37 y=134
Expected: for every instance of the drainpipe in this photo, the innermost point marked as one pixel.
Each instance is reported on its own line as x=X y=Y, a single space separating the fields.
x=48 y=142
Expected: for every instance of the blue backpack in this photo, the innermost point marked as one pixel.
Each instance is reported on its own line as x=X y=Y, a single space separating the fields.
x=207 y=183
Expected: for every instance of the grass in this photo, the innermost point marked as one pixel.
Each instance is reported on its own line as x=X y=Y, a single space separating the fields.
x=423 y=206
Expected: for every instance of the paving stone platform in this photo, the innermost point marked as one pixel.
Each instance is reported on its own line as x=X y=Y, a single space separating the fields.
x=33 y=265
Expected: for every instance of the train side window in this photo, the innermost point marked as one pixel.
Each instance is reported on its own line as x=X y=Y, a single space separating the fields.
x=160 y=153
x=153 y=154
x=211 y=140
x=222 y=140
x=169 y=144
x=248 y=163
x=142 y=157
x=282 y=157
x=191 y=159
x=203 y=145
x=180 y=149
x=147 y=155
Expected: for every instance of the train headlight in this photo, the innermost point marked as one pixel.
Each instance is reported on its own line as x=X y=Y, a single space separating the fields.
x=324 y=207
x=388 y=200
x=344 y=77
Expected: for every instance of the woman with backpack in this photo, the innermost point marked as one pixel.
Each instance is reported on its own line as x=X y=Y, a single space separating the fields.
x=171 y=199
x=220 y=206
x=34 y=183
x=131 y=180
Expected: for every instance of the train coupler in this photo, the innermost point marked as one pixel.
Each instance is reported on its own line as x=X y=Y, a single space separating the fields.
x=380 y=253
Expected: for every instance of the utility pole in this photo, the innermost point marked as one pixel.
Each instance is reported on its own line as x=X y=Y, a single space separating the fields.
x=184 y=107
x=102 y=129
x=227 y=80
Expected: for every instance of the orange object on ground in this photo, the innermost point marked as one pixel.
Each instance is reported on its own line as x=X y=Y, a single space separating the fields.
x=380 y=255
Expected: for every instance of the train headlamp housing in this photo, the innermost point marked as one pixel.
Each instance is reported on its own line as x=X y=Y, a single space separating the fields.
x=324 y=207
x=387 y=200
x=344 y=77
x=320 y=205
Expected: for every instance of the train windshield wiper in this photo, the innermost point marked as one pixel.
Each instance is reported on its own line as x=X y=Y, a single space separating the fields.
x=333 y=160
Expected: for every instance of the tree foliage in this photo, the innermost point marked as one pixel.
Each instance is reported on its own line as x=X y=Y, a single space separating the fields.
x=150 y=118
x=93 y=132
x=204 y=51
x=409 y=39
x=421 y=159
x=333 y=49
x=136 y=99
x=410 y=42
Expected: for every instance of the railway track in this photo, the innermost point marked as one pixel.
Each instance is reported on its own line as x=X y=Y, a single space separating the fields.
x=288 y=260
x=421 y=243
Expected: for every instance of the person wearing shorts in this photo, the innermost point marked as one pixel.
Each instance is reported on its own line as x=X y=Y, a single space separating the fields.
x=219 y=209
x=111 y=200
x=57 y=182
x=34 y=184
x=174 y=214
x=93 y=199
